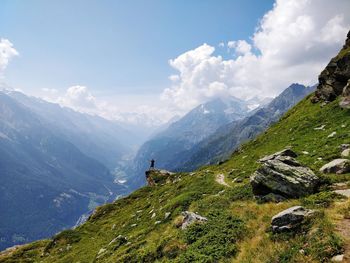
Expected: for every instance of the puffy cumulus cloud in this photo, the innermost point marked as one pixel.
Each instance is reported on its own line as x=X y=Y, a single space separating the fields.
x=240 y=47
x=7 y=52
x=292 y=43
x=79 y=98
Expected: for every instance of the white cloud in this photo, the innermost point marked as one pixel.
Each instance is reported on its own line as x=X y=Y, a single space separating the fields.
x=292 y=43
x=138 y=113
x=79 y=98
x=7 y=52
x=231 y=44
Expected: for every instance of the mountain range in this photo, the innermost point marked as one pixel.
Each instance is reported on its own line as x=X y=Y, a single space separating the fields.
x=216 y=213
x=55 y=165
x=212 y=131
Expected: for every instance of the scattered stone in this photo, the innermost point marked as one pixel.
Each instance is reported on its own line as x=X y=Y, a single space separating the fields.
x=344 y=146
x=339 y=186
x=290 y=219
x=150 y=212
x=166 y=215
x=338 y=166
x=320 y=128
x=343 y=125
x=153 y=215
x=343 y=192
x=157 y=222
x=101 y=251
x=189 y=218
x=345 y=153
x=120 y=238
x=237 y=180
x=305 y=152
x=337 y=258
x=133 y=225
x=139 y=211
x=220 y=179
x=283 y=176
x=332 y=135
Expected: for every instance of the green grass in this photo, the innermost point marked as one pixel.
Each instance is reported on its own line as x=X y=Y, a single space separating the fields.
x=237 y=229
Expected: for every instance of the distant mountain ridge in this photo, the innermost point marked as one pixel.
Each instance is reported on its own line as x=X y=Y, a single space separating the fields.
x=171 y=146
x=226 y=139
x=49 y=176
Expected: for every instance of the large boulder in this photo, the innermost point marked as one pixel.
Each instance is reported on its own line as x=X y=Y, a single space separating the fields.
x=282 y=175
x=338 y=166
x=190 y=218
x=290 y=219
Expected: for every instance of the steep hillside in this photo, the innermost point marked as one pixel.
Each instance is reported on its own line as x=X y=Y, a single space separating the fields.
x=145 y=226
x=170 y=147
x=47 y=183
x=226 y=139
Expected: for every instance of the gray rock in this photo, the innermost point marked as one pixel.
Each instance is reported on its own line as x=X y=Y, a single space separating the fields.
x=332 y=135
x=344 y=146
x=190 y=218
x=337 y=258
x=345 y=100
x=345 y=153
x=166 y=215
x=284 y=176
x=338 y=166
x=343 y=192
x=290 y=219
x=285 y=152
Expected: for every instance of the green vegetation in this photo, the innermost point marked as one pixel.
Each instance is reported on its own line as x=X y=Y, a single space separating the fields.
x=237 y=229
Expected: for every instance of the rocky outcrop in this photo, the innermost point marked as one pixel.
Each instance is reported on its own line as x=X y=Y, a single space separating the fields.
x=290 y=219
x=338 y=166
x=283 y=176
x=156 y=176
x=190 y=218
x=334 y=79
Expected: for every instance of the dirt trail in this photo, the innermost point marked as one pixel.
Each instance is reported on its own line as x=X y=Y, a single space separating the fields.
x=342 y=224
x=220 y=179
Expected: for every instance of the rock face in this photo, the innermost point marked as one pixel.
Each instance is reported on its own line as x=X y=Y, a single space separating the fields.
x=190 y=218
x=334 y=79
x=283 y=176
x=156 y=176
x=290 y=219
x=338 y=166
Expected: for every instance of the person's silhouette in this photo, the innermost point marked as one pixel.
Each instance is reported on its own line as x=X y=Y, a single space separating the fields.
x=152 y=164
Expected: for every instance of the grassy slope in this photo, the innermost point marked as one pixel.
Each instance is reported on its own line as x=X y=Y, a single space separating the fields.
x=237 y=230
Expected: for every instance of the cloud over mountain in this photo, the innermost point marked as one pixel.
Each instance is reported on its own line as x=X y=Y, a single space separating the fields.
x=292 y=43
x=7 y=52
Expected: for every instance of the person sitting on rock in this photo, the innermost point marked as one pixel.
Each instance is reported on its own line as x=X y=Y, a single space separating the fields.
x=152 y=164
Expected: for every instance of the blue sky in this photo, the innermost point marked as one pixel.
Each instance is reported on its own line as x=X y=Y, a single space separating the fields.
x=147 y=61
x=115 y=46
